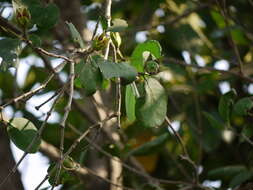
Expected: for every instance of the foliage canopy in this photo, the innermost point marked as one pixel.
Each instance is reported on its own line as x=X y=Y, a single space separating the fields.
x=144 y=94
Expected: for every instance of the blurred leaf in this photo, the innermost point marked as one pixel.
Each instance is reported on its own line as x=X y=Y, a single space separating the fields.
x=123 y=70
x=150 y=147
x=218 y=18
x=226 y=172
x=75 y=35
x=8 y=52
x=239 y=37
x=36 y=41
x=241 y=178
x=137 y=59
x=213 y=121
x=44 y=17
x=182 y=37
x=151 y=110
x=22 y=131
x=242 y=106
x=225 y=105
x=210 y=137
x=88 y=77
x=118 y=25
x=130 y=103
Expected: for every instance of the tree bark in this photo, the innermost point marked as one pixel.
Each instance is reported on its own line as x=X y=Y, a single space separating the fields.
x=7 y=162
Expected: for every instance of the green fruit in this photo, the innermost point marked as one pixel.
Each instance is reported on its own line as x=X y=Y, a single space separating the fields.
x=151 y=67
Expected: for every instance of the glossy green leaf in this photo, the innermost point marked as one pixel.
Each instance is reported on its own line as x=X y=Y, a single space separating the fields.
x=152 y=108
x=88 y=77
x=241 y=178
x=137 y=58
x=242 y=106
x=130 y=101
x=75 y=35
x=118 y=25
x=151 y=146
x=225 y=104
x=22 y=132
x=8 y=52
x=123 y=70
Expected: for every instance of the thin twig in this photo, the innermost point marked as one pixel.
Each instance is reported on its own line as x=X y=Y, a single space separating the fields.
x=30 y=93
x=42 y=182
x=115 y=167
x=71 y=148
x=37 y=136
x=186 y=155
x=130 y=168
x=118 y=90
x=5 y=25
x=174 y=20
x=182 y=63
x=48 y=100
x=224 y=13
x=63 y=122
x=108 y=5
x=95 y=31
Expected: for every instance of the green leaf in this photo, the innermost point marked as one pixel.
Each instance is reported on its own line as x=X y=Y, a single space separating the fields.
x=213 y=121
x=36 y=41
x=225 y=104
x=137 y=59
x=239 y=37
x=103 y=22
x=22 y=131
x=242 y=106
x=150 y=147
x=45 y=17
x=8 y=52
x=130 y=103
x=75 y=35
x=152 y=108
x=118 y=25
x=241 y=178
x=219 y=19
x=89 y=77
x=123 y=70
x=226 y=172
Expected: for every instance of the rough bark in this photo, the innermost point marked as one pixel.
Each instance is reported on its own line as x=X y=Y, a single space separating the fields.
x=7 y=162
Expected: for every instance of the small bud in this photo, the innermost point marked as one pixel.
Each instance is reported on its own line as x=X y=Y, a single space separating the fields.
x=100 y=42
x=23 y=17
